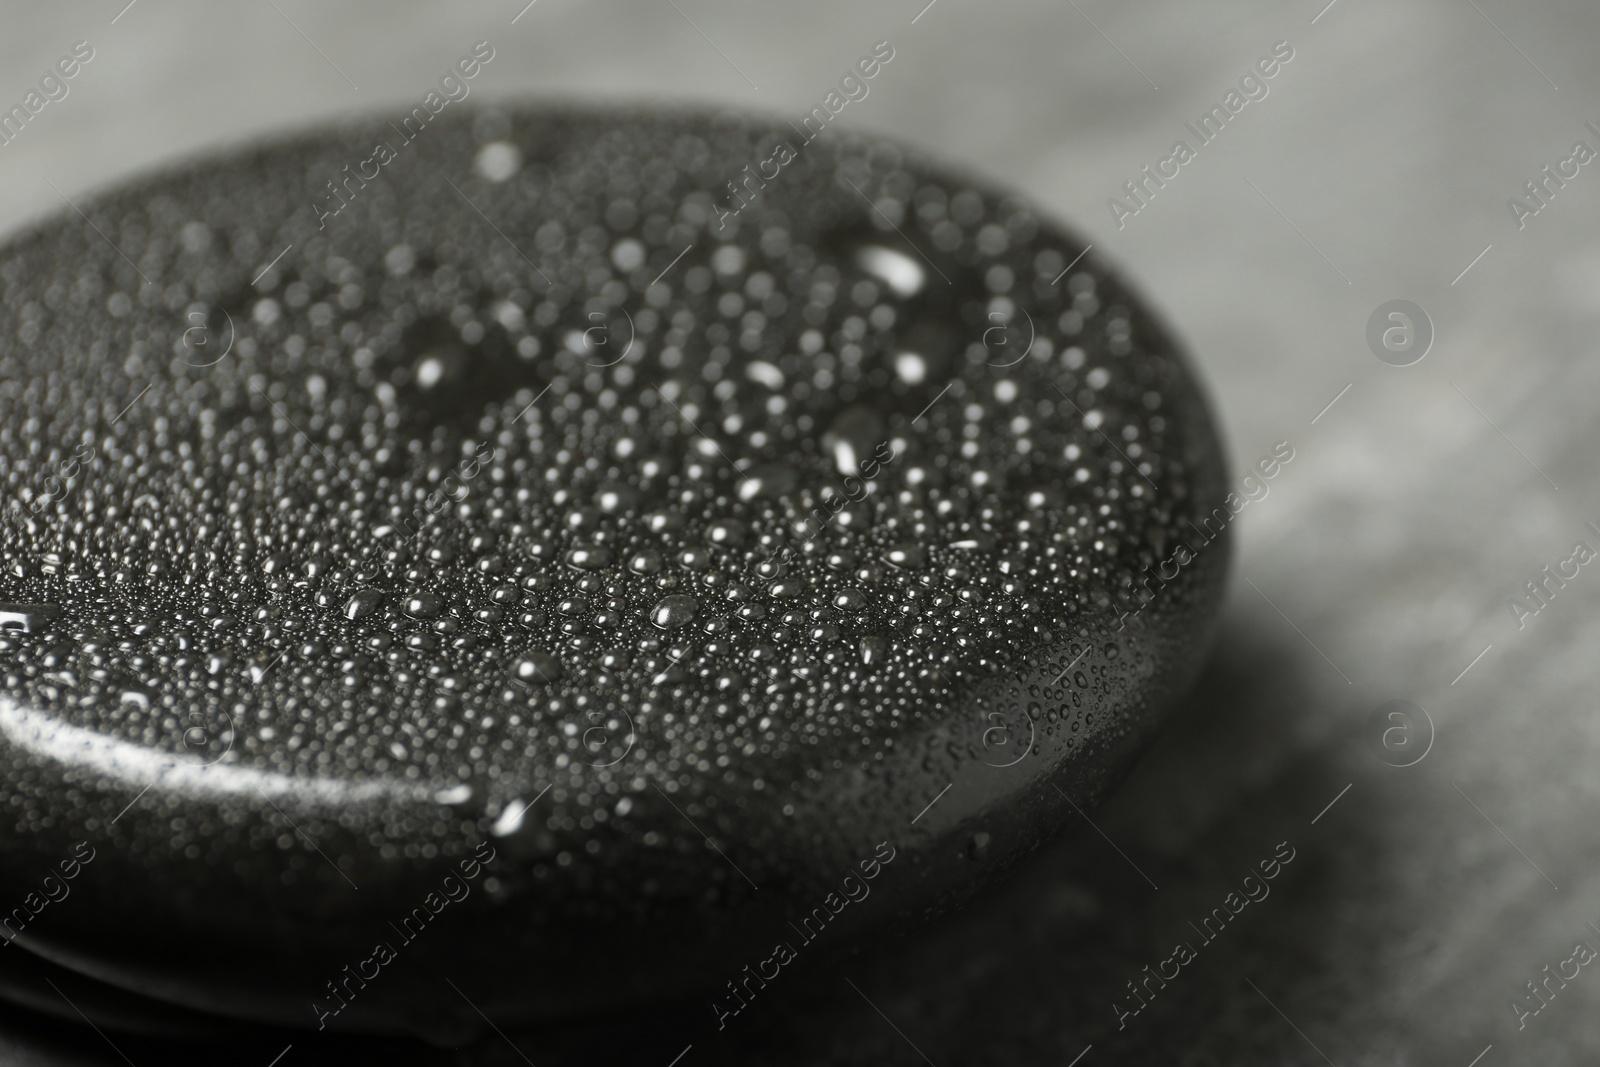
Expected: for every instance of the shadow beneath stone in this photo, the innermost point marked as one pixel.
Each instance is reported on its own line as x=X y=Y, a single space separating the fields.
x=1039 y=967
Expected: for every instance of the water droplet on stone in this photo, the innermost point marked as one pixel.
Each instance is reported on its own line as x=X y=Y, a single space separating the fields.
x=728 y=533
x=497 y=161
x=510 y=819
x=27 y=617
x=768 y=481
x=911 y=367
x=589 y=557
x=852 y=437
x=850 y=600
x=674 y=611
x=424 y=605
x=906 y=556
x=456 y=794
x=362 y=604
x=537 y=668
x=646 y=561
x=764 y=373
x=899 y=271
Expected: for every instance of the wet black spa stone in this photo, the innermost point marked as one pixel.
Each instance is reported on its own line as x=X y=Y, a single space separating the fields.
x=549 y=571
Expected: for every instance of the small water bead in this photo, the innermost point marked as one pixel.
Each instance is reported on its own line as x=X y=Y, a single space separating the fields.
x=911 y=367
x=906 y=556
x=824 y=633
x=363 y=604
x=759 y=370
x=768 y=481
x=589 y=557
x=663 y=522
x=696 y=558
x=583 y=519
x=536 y=668
x=628 y=254
x=728 y=259
x=497 y=161
x=674 y=611
x=856 y=433
x=904 y=275
x=850 y=600
x=728 y=533
x=616 y=499
x=645 y=561
x=424 y=605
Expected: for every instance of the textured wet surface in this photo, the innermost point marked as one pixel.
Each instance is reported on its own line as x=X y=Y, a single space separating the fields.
x=1391 y=142
x=537 y=532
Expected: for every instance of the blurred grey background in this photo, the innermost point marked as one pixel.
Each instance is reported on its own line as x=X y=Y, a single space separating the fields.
x=1379 y=568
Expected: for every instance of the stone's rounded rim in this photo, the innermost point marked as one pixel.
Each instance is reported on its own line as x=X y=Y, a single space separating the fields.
x=123 y=765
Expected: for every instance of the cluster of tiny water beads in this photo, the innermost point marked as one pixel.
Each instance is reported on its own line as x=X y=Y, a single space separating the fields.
x=605 y=604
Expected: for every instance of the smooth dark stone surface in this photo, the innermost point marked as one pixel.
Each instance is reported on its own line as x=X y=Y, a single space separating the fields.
x=462 y=552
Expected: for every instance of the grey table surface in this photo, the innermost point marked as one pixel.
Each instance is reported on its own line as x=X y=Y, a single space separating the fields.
x=1378 y=568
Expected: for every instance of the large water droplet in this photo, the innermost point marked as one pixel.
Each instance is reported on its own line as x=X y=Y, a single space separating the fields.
x=589 y=557
x=906 y=556
x=497 y=161
x=897 y=270
x=456 y=794
x=768 y=481
x=852 y=437
x=674 y=611
x=645 y=561
x=850 y=599
x=362 y=604
x=424 y=605
x=537 y=668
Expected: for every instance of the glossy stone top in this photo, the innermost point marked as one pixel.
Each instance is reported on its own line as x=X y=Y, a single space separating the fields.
x=541 y=492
